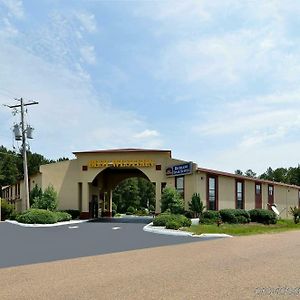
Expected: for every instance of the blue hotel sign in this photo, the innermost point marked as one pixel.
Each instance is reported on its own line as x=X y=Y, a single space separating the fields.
x=178 y=170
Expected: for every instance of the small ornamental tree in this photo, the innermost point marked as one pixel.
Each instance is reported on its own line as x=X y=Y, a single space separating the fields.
x=196 y=206
x=295 y=212
x=36 y=192
x=171 y=200
x=48 y=200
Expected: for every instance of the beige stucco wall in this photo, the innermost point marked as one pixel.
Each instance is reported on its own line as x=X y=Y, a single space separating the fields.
x=249 y=194
x=226 y=192
x=65 y=177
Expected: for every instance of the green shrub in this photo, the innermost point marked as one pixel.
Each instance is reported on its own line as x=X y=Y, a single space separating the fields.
x=163 y=219
x=171 y=200
x=141 y=212
x=130 y=210
x=48 y=200
x=263 y=216
x=196 y=206
x=234 y=216
x=62 y=216
x=295 y=212
x=173 y=224
x=37 y=216
x=209 y=217
x=7 y=210
x=75 y=213
x=228 y=216
x=36 y=192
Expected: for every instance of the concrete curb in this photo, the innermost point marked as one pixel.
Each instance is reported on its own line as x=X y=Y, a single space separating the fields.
x=163 y=230
x=47 y=225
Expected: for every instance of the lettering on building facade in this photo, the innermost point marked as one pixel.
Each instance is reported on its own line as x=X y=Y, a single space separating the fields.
x=120 y=163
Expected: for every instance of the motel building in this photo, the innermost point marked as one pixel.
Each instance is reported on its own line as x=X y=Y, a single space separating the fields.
x=86 y=183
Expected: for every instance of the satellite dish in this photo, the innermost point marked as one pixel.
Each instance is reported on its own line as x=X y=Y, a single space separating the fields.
x=275 y=210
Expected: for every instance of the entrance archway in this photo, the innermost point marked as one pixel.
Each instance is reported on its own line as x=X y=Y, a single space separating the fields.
x=135 y=195
x=102 y=186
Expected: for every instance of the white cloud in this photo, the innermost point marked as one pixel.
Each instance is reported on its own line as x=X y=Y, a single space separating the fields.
x=88 y=54
x=88 y=21
x=146 y=134
x=15 y=8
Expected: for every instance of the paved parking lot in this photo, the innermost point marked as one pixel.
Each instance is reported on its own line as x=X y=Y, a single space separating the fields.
x=20 y=245
x=265 y=266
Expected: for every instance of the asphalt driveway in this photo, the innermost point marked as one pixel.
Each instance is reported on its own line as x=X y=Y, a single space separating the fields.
x=21 y=245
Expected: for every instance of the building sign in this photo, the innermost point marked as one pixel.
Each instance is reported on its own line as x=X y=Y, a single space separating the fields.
x=178 y=170
x=121 y=163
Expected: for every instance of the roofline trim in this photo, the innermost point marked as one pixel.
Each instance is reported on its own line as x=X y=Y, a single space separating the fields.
x=216 y=172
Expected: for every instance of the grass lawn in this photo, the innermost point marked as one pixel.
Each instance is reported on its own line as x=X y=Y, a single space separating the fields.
x=244 y=229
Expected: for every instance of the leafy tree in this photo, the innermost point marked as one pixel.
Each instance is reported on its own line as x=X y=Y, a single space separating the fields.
x=250 y=173
x=238 y=172
x=268 y=175
x=171 y=200
x=196 y=205
x=135 y=192
x=48 y=200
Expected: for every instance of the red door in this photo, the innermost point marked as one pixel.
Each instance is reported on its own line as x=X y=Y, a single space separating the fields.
x=258 y=197
x=270 y=195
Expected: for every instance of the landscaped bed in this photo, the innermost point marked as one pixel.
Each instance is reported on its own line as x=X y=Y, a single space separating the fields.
x=244 y=229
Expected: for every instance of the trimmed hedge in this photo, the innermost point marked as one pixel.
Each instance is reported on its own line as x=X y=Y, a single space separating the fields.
x=62 y=216
x=42 y=216
x=169 y=221
x=263 y=216
x=209 y=217
x=37 y=216
x=234 y=216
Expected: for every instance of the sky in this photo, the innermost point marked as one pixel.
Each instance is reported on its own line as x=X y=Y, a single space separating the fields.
x=217 y=82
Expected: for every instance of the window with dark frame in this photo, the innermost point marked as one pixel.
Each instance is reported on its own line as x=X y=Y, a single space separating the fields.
x=179 y=185
x=271 y=190
x=239 y=194
x=212 y=193
x=257 y=188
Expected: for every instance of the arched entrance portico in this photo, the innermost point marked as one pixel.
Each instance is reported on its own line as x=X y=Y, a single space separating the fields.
x=102 y=186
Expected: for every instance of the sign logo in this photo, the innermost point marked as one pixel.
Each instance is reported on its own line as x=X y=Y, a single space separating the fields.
x=177 y=170
x=121 y=163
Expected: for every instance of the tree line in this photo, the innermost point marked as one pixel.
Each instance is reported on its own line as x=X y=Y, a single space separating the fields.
x=285 y=175
x=11 y=165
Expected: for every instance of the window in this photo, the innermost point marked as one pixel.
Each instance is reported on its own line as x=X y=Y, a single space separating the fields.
x=258 y=189
x=299 y=198
x=240 y=194
x=179 y=185
x=212 y=193
x=271 y=190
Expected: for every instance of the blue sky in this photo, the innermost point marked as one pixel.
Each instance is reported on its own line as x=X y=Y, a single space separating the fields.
x=217 y=82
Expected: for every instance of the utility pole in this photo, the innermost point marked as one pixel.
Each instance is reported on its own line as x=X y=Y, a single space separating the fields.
x=25 y=202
